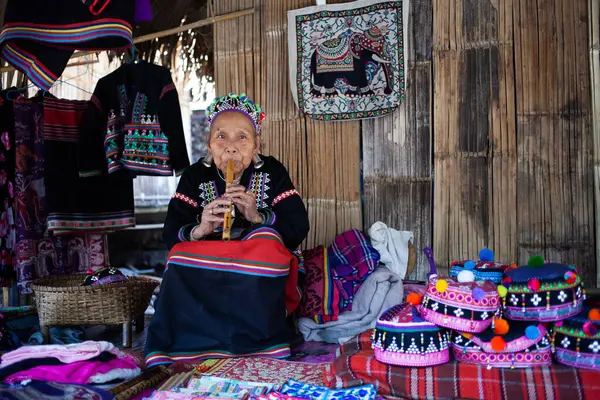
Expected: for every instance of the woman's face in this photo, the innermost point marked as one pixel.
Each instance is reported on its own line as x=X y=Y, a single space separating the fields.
x=232 y=136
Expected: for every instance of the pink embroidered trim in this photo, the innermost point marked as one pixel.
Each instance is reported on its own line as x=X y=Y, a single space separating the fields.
x=185 y=198
x=283 y=196
x=412 y=360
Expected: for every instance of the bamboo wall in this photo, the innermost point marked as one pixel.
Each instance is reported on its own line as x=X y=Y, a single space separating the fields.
x=492 y=146
x=323 y=158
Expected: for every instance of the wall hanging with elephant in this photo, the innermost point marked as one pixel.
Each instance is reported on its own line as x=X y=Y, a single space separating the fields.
x=347 y=60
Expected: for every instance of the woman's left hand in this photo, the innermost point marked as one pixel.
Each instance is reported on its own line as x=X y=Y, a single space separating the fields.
x=245 y=202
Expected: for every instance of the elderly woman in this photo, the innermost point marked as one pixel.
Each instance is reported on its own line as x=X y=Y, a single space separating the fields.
x=223 y=299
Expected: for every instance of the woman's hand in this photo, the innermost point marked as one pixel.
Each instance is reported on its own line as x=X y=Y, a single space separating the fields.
x=212 y=218
x=245 y=202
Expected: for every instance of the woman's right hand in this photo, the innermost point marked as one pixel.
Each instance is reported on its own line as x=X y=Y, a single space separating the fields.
x=212 y=218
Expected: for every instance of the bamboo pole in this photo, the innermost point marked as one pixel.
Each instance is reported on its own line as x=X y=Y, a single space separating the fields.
x=194 y=25
x=594 y=29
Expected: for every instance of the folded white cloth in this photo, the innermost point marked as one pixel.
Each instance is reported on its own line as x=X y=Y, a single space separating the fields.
x=392 y=245
x=381 y=290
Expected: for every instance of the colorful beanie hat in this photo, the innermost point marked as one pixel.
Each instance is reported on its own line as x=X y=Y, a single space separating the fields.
x=402 y=337
x=486 y=269
x=461 y=306
x=520 y=345
x=236 y=103
x=543 y=292
x=576 y=340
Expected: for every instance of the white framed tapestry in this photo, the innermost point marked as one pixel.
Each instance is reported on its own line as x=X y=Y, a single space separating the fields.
x=347 y=60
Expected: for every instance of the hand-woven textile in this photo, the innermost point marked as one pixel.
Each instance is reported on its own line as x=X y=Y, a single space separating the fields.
x=356 y=365
x=347 y=60
x=262 y=369
x=37 y=254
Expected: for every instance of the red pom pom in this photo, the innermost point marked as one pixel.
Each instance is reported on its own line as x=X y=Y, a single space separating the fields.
x=90 y=271
x=570 y=277
x=594 y=314
x=498 y=344
x=506 y=281
x=534 y=285
x=590 y=329
x=414 y=299
x=500 y=326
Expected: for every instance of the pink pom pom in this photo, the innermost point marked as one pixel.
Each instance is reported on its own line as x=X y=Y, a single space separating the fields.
x=534 y=285
x=590 y=329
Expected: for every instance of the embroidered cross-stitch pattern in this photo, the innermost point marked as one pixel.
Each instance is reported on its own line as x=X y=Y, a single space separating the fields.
x=347 y=60
x=208 y=193
x=259 y=186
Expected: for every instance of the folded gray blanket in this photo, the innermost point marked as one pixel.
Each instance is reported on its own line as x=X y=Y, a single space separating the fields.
x=380 y=291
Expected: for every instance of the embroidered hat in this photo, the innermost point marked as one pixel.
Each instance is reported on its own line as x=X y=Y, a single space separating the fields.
x=236 y=103
x=462 y=306
x=484 y=269
x=576 y=340
x=524 y=345
x=542 y=292
x=402 y=337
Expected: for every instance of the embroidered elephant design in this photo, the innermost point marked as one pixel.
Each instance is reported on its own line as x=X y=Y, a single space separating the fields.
x=348 y=63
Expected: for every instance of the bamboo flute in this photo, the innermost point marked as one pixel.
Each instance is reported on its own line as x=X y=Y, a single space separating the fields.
x=227 y=216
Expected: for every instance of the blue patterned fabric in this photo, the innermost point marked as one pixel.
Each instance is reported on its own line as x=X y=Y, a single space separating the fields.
x=50 y=391
x=297 y=389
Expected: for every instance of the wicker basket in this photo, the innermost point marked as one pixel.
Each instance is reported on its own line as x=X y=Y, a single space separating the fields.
x=63 y=301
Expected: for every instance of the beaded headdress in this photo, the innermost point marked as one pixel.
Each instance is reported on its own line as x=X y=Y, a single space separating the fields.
x=236 y=103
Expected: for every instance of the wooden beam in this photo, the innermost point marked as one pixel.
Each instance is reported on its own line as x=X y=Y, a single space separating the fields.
x=194 y=25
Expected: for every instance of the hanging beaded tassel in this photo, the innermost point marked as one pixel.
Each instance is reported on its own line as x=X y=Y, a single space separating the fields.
x=548 y=300
x=523 y=302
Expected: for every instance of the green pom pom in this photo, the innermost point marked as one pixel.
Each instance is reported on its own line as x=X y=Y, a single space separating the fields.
x=536 y=261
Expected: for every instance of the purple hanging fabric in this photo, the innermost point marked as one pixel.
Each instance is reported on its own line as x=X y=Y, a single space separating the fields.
x=143 y=11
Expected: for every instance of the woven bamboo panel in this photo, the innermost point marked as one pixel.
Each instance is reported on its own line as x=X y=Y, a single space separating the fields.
x=397 y=148
x=323 y=158
x=513 y=143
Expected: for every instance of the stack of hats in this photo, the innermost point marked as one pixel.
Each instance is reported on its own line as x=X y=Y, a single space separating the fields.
x=494 y=314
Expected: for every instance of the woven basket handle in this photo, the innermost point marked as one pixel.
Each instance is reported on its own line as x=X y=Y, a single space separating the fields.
x=429 y=254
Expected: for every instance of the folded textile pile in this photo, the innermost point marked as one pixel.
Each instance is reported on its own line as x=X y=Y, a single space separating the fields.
x=335 y=274
x=82 y=363
x=380 y=291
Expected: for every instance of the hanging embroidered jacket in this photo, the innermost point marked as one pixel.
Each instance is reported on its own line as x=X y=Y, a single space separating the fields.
x=276 y=199
x=74 y=204
x=39 y=36
x=134 y=123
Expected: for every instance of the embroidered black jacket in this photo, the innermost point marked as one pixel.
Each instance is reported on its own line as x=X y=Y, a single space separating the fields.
x=276 y=198
x=134 y=123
